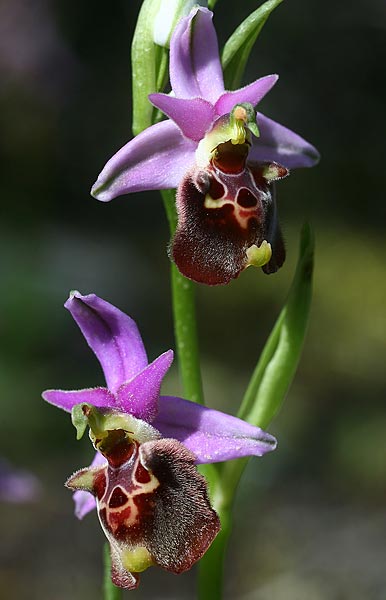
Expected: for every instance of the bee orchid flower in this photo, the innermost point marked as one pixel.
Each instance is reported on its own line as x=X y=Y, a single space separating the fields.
x=220 y=154
x=151 y=501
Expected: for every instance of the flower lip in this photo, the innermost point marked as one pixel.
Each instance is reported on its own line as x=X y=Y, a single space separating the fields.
x=152 y=503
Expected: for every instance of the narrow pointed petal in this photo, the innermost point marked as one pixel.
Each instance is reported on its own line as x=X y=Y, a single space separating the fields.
x=211 y=435
x=193 y=116
x=68 y=399
x=112 y=335
x=155 y=159
x=252 y=93
x=195 y=68
x=279 y=144
x=139 y=397
x=84 y=501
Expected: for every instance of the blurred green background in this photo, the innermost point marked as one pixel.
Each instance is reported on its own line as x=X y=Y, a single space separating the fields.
x=310 y=519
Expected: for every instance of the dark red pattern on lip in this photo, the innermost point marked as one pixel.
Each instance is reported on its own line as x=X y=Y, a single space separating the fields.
x=246 y=199
x=118 y=498
x=216 y=189
x=141 y=475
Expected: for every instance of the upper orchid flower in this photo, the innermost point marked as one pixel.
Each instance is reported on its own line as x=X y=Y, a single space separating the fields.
x=151 y=501
x=220 y=161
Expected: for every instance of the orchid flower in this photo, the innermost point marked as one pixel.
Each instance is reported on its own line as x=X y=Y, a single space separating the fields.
x=220 y=155
x=152 y=503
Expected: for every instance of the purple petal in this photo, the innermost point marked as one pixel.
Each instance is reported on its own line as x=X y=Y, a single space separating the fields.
x=251 y=93
x=68 y=399
x=84 y=501
x=112 y=335
x=193 y=117
x=139 y=397
x=211 y=435
x=279 y=144
x=155 y=159
x=195 y=68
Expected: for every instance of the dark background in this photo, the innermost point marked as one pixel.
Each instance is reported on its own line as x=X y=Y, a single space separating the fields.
x=310 y=520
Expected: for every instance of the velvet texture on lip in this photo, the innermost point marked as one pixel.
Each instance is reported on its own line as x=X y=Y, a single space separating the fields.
x=215 y=241
x=143 y=479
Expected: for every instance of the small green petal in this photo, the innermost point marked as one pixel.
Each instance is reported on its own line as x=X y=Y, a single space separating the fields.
x=79 y=420
x=258 y=256
x=82 y=480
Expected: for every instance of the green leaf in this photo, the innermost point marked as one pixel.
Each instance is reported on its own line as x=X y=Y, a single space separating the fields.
x=278 y=362
x=238 y=47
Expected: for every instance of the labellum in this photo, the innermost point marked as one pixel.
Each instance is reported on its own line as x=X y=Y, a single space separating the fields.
x=152 y=503
x=227 y=217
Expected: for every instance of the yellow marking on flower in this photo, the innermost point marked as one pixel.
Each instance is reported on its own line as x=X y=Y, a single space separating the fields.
x=238 y=132
x=210 y=203
x=147 y=488
x=258 y=256
x=136 y=560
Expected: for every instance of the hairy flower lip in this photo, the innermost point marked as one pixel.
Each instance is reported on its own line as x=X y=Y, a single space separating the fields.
x=152 y=503
x=134 y=388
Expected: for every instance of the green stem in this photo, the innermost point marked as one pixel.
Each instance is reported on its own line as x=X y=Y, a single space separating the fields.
x=110 y=591
x=184 y=314
x=211 y=566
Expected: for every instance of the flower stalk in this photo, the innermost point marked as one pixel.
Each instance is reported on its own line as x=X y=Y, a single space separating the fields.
x=110 y=591
x=184 y=317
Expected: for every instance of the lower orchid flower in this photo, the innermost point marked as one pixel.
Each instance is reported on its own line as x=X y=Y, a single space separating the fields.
x=220 y=161
x=151 y=501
